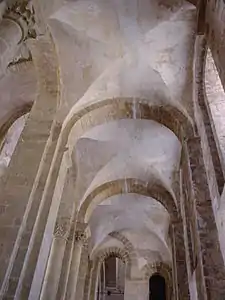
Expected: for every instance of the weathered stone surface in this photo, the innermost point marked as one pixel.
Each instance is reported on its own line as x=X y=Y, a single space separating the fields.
x=119 y=113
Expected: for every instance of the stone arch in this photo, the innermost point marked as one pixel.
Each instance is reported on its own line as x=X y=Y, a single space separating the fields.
x=127 y=244
x=10 y=119
x=162 y=269
x=100 y=257
x=114 y=109
x=170 y=115
x=154 y=190
x=118 y=252
x=118 y=233
x=45 y=62
x=178 y=121
x=157 y=267
x=113 y=251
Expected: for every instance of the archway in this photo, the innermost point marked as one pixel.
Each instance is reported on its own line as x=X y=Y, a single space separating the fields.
x=111 y=279
x=157 y=287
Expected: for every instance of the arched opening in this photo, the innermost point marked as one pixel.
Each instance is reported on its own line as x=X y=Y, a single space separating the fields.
x=111 y=279
x=157 y=287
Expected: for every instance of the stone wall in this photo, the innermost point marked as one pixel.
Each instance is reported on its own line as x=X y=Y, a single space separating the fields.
x=215 y=29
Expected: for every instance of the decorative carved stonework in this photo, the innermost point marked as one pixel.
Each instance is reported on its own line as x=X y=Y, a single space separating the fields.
x=81 y=236
x=22 y=12
x=71 y=232
x=23 y=56
x=62 y=228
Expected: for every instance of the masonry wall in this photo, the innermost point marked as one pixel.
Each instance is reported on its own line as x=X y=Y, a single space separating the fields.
x=215 y=29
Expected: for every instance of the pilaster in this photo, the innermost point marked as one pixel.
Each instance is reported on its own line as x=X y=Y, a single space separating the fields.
x=82 y=273
x=78 y=267
x=56 y=234
x=87 y=284
x=210 y=271
x=23 y=184
x=94 y=280
x=180 y=274
x=52 y=276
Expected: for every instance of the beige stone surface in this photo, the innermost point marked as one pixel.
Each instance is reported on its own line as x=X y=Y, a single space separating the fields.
x=116 y=157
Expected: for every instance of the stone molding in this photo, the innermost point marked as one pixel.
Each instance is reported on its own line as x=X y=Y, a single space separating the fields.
x=128 y=245
x=113 y=251
x=156 y=190
x=118 y=252
x=158 y=267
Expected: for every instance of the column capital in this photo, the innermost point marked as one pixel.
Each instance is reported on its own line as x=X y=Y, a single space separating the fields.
x=62 y=228
x=22 y=12
x=81 y=236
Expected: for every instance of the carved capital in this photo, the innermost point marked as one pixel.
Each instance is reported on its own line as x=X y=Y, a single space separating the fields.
x=81 y=236
x=22 y=12
x=62 y=228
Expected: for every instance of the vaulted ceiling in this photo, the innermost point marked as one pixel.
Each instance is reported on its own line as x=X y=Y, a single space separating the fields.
x=125 y=54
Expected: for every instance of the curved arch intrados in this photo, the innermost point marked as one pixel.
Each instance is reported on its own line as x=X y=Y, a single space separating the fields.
x=154 y=190
x=117 y=233
x=95 y=114
x=115 y=109
x=112 y=252
x=9 y=120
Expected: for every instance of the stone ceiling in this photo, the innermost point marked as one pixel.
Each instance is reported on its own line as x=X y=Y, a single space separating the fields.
x=123 y=52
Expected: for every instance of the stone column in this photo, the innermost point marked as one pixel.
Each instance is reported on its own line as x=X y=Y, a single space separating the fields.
x=52 y=276
x=67 y=260
x=94 y=280
x=87 y=285
x=56 y=234
x=99 y=286
x=210 y=271
x=136 y=290
x=78 y=249
x=23 y=183
x=180 y=274
x=82 y=273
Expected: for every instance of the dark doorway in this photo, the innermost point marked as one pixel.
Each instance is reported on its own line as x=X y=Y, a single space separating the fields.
x=157 y=287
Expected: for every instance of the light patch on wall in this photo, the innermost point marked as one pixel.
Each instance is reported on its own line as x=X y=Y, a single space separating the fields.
x=10 y=141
